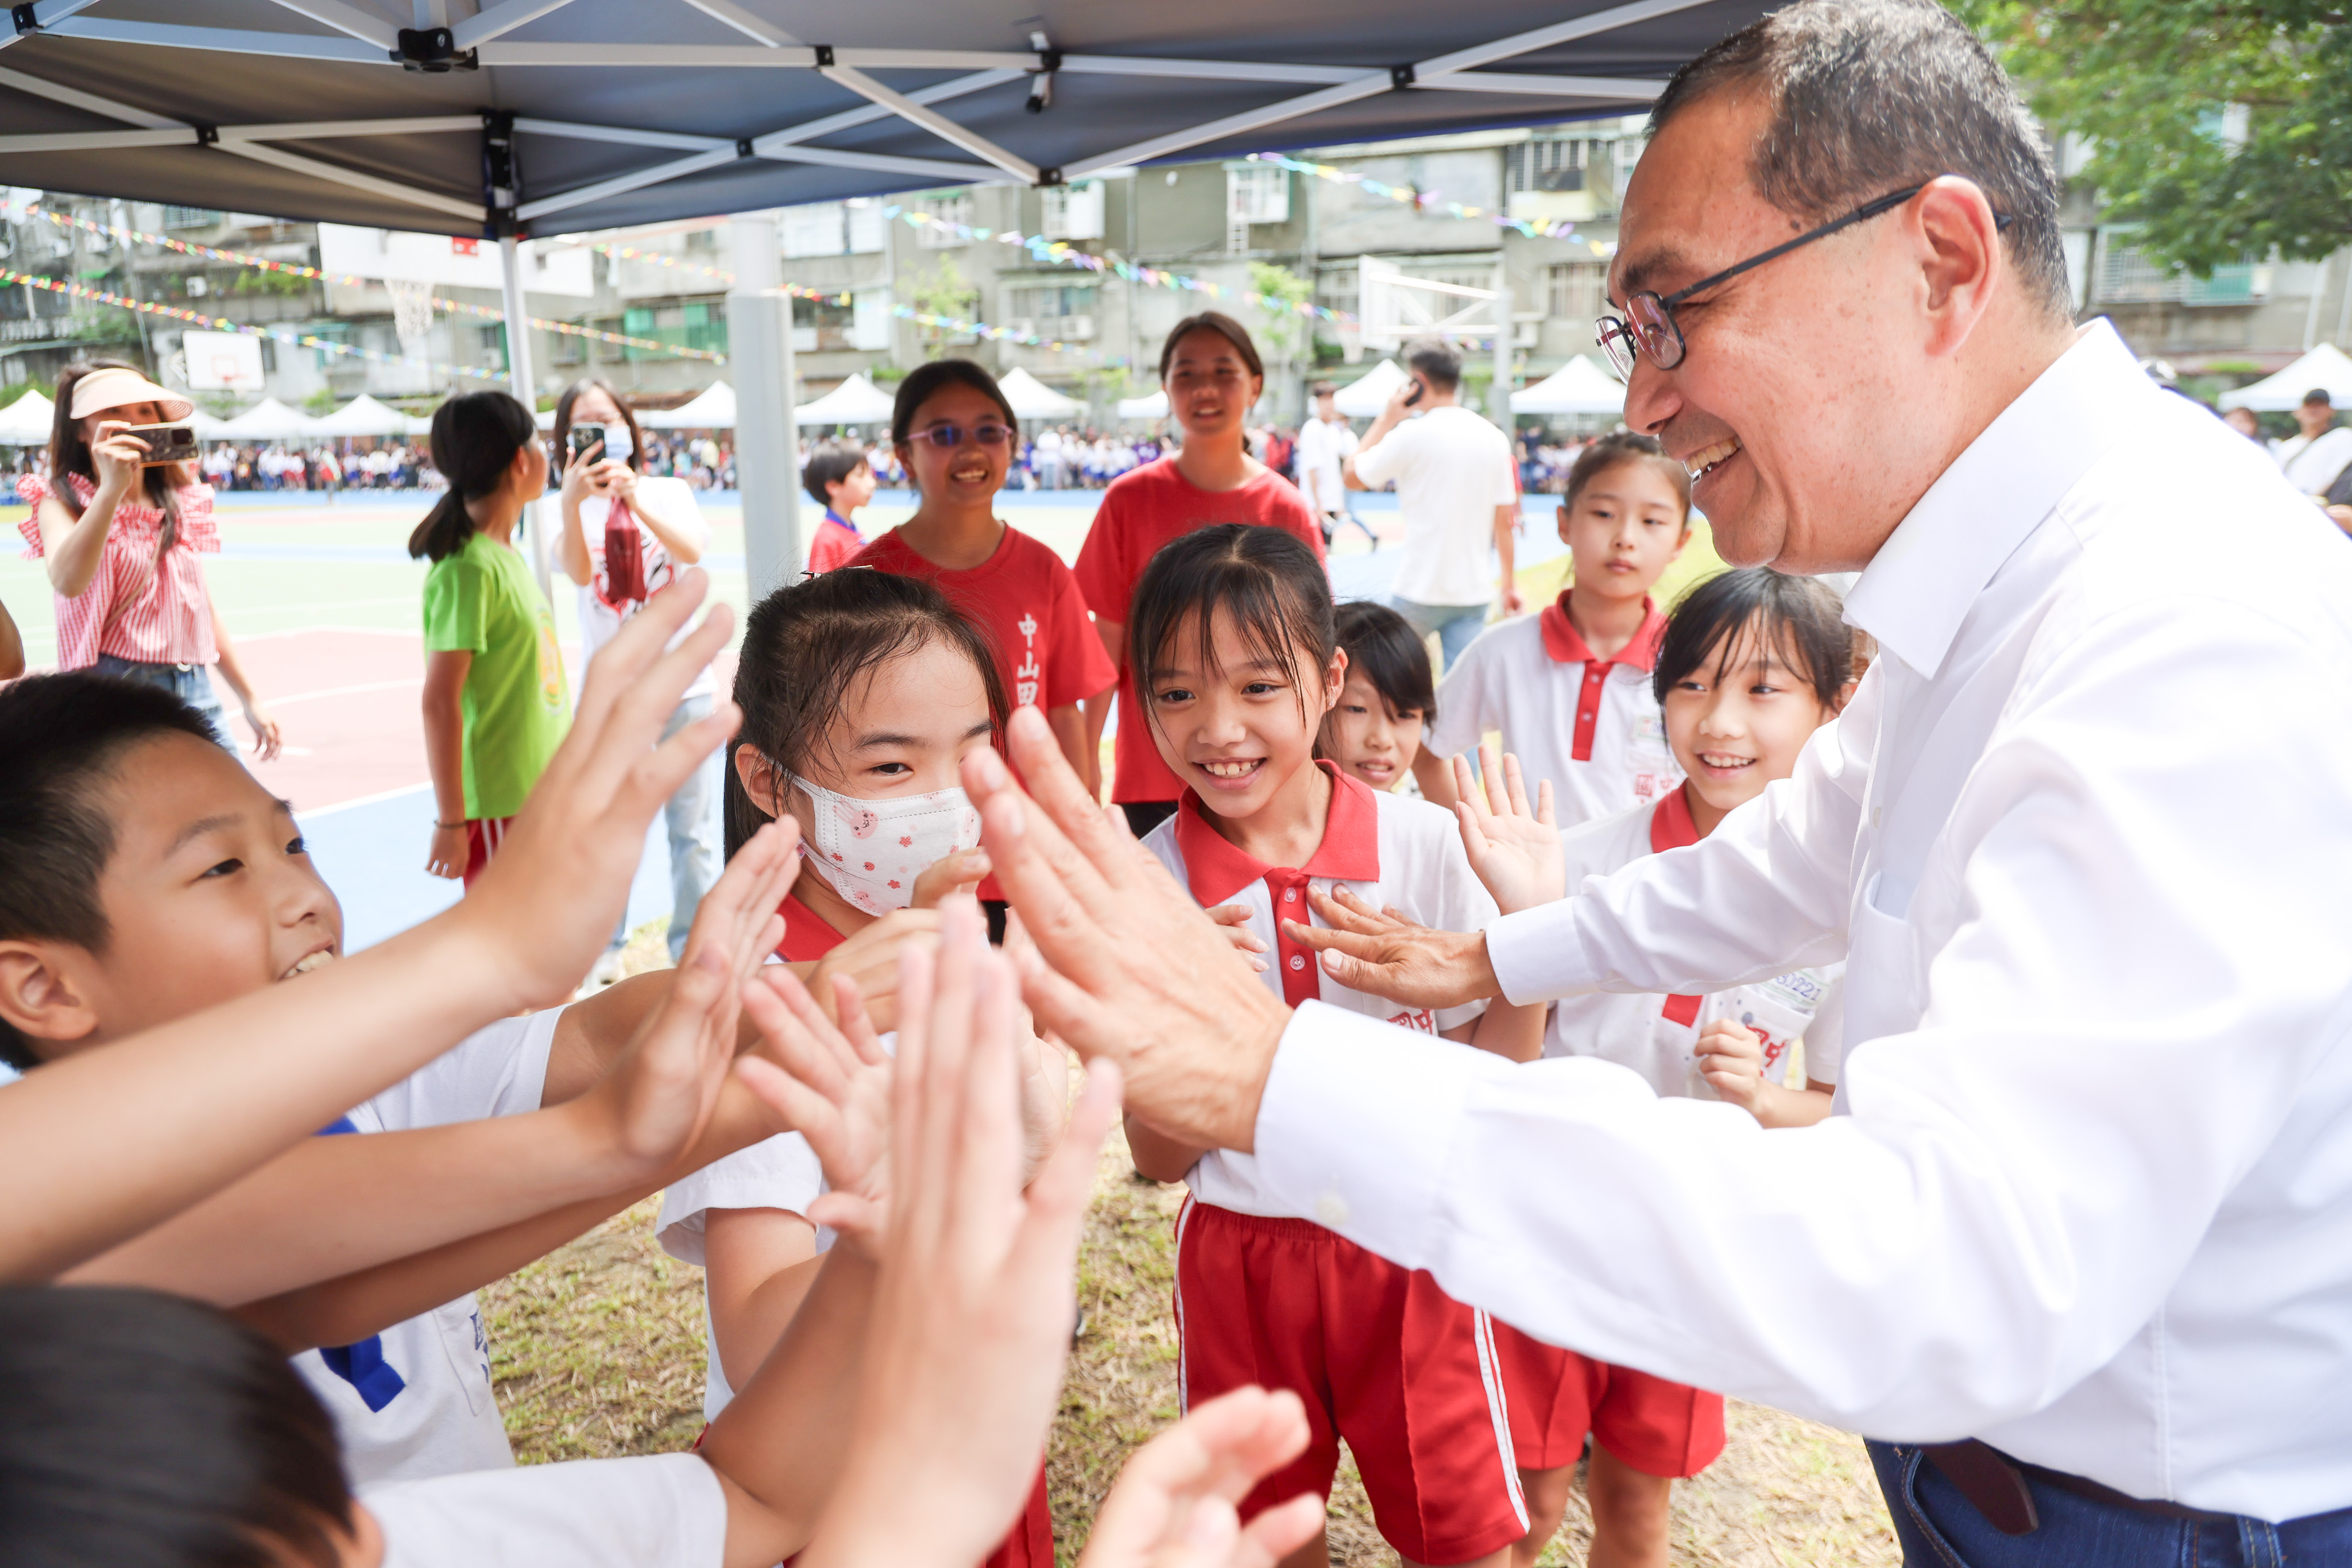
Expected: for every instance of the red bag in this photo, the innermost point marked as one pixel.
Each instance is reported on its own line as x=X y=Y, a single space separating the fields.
x=624 y=559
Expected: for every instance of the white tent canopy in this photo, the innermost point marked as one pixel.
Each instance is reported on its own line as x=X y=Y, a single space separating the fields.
x=25 y=421
x=207 y=428
x=1364 y=397
x=365 y=416
x=1579 y=386
x=268 y=420
x=1152 y=407
x=713 y=407
x=1033 y=399
x=2325 y=366
x=856 y=400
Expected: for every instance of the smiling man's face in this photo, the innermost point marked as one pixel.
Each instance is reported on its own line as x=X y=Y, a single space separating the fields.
x=1794 y=403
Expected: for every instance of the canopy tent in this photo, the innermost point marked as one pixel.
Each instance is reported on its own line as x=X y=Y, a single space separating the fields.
x=712 y=408
x=1579 y=386
x=856 y=400
x=208 y=428
x=2325 y=366
x=26 y=421
x=365 y=416
x=268 y=420
x=1364 y=397
x=1033 y=399
x=1152 y=407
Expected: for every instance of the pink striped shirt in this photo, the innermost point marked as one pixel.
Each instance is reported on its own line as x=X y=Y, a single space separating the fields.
x=134 y=608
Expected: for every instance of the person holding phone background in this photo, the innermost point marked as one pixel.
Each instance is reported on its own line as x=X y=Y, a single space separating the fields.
x=119 y=534
x=626 y=533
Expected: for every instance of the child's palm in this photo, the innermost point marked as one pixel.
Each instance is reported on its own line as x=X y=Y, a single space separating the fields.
x=1515 y=851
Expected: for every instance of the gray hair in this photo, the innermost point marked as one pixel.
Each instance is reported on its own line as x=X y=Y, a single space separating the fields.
x=1870 y=96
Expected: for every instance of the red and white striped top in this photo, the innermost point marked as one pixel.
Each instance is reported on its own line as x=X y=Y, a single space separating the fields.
x=135 y=608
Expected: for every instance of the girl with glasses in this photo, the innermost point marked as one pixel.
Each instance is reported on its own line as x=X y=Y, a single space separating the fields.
x=954 y=432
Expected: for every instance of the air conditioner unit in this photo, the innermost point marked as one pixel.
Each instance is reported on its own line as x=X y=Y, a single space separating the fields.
x=1077 y=328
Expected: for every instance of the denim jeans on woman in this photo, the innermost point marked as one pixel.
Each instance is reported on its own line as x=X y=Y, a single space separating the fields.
x=192 y=684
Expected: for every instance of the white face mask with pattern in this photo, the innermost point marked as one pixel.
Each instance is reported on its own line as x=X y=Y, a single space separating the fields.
x=872 y=851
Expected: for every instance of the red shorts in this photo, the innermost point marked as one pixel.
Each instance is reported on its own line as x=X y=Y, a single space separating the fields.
x=1382 y=1358
x=1031 y=1544
x=1658 y=1427
x=483 y=837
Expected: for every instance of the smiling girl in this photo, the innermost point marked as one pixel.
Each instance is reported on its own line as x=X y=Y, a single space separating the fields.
x=954 y=430
x=1232 y=639
x=1374 y=730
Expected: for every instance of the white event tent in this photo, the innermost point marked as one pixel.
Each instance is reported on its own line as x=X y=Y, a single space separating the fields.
x=366 y=416
x=25 y=421
x=856 y=400
x=2325 y=366
x=1579 y=386
x=1152 y=407
x=268 y=420
x=1364 y=397
x=713 y=407
x=1033 y=399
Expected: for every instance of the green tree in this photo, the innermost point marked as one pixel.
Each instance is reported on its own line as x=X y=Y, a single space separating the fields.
x=941 y=291
x=1283 y=292
x=2223 y=127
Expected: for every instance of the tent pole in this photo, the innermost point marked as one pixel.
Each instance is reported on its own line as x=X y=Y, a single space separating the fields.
x=760 y=355
x=523 y=383
x=1498 y=401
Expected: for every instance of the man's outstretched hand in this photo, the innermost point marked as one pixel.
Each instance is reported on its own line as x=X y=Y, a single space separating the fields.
x=1125 y=966
x=1385 y=955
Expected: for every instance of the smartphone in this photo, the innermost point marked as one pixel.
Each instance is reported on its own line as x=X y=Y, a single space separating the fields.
x=615 y=437
x=585 y=436
x=1414 y=396
x=167 y=444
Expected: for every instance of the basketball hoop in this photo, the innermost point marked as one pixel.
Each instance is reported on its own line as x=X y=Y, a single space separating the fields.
x=412 y=313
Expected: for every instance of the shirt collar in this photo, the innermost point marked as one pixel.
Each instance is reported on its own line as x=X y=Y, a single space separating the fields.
x=1920 y=585
x=1567 y=646
x=807 y=937
x=833 y=516
x=1672 y=826
x=1215 y=869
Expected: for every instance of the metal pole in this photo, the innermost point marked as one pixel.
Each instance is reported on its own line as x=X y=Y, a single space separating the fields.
x=760 y=355
x=524 y=384
x=1498 y=401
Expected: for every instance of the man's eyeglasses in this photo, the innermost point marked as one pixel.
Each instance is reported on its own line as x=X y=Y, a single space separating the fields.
x=1647 y=329
x=954 y=435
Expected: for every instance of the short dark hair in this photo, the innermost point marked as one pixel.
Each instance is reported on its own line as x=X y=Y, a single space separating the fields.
x=1439 y=363
x=1322 y=389
x=61 y=736
x=147 y=1428
x=560 y=436
x=831 y=464
x=1224 y=327
x=1626 y=446
x=1798 y=618
x=2319 y=395
x=1391 y=655
x=805 y=646
x=1264 y=578
x=928 y=378
x=476 y=435
x=1870 y=96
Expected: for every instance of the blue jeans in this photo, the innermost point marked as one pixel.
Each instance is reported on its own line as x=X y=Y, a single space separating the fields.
x=692 y=818
x=1942 y=1529
x=1456 y=625
x=192 y=684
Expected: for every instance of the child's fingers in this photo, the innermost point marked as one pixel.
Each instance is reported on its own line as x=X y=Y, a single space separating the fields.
x=1278 y=1532
x=855 y=1024
x=1490 y=770
x=1544 y=804
x=1466 y=787
x=1047 y=1239
x=1474 y=843
x=1342 y=910
x=800 y=1108
x=776 y=1011
x=1067 y=1010
x=1514 y=785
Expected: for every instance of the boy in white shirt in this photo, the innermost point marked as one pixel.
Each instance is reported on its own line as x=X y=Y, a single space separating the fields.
x=1569 y=688
x=1325 y=443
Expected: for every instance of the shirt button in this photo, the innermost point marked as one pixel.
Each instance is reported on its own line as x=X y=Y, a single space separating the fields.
x=1297 y=961
x=1290 y=895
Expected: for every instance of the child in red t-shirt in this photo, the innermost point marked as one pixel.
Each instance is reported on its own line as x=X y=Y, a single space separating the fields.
x=839 y=478
x=954 y=430
x=1213 y=375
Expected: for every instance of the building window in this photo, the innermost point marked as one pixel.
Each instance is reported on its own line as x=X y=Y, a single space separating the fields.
x=1073 y=212
x=190 y=218
x=1575 y=290
x=1552 y=163
x=2126 y=277
x=868 y=229
x=677 y=324
x=1060 y=310
x=814 y=230
x=819 y=325
x=1257 y=193
x=952 y=211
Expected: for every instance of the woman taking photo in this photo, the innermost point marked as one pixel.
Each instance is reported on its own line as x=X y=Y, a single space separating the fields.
x=626 y=533
x=1213 y=375
x=495 y=700
x=120 y=537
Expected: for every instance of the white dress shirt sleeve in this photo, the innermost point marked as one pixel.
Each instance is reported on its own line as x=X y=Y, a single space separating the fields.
x=1764 y=893
x=2108 y=1044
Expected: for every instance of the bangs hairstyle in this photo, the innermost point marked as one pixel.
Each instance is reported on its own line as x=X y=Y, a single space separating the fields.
x=475 y=438
x=151 y=1430
x=61 y=736
x=925 y=379
x=1224 y=327
x=1626 y=446
x=1268 y=582
x=1392 y=655
x=806 y=648
x=563 y=432
x=1795 y=620
x=831 y=464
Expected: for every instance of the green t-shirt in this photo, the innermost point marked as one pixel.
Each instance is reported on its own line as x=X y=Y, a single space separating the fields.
x=483 y=600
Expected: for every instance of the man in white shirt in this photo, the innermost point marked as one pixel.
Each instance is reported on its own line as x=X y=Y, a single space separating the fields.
x=2079 y=1248
x=2313 y=459
x=1325 y=442
x=1456 y=489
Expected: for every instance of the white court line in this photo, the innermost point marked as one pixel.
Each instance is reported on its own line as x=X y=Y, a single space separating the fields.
x=361 y=631
x=347 y=691
x=361 y=800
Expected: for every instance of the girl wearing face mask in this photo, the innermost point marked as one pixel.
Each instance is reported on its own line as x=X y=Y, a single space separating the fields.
x=954 y=430
x=861 y=691
x=122 y=539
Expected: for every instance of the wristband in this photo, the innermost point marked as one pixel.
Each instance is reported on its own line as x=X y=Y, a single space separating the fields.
x=447 y=825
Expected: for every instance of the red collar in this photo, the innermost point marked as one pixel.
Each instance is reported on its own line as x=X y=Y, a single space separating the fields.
x=807 y=937
x=1350 y=850
x=1567 y=646
x=1671 y=826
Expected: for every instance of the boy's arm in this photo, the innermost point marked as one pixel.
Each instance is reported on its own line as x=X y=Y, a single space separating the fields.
x=1157 y=1154
x=758 y=1267
x=12 y=647
x=445 y=757
x=1506 y=529
x=1434 y=774
x=1515 y=1033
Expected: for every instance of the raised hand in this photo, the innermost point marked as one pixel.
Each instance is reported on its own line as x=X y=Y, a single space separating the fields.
x=1126 y=965
x=1515 y=851
x=1173 y=1505
x=1732 y=1058
x=869 y=958
x=1234 y=918
x=831 y=1082
x=958 y=871
x=1382 y=953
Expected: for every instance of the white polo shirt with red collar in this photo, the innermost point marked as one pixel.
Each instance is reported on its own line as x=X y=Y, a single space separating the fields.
x=1657 y=1036
x=1591 y=726
x=1387 y=849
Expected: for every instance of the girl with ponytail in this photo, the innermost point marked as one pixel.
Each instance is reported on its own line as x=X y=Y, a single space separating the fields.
x=495 y=700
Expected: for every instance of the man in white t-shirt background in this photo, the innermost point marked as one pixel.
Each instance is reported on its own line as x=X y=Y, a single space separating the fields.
x=1457 y=490
x=2316 y=455
x=1325 y=442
